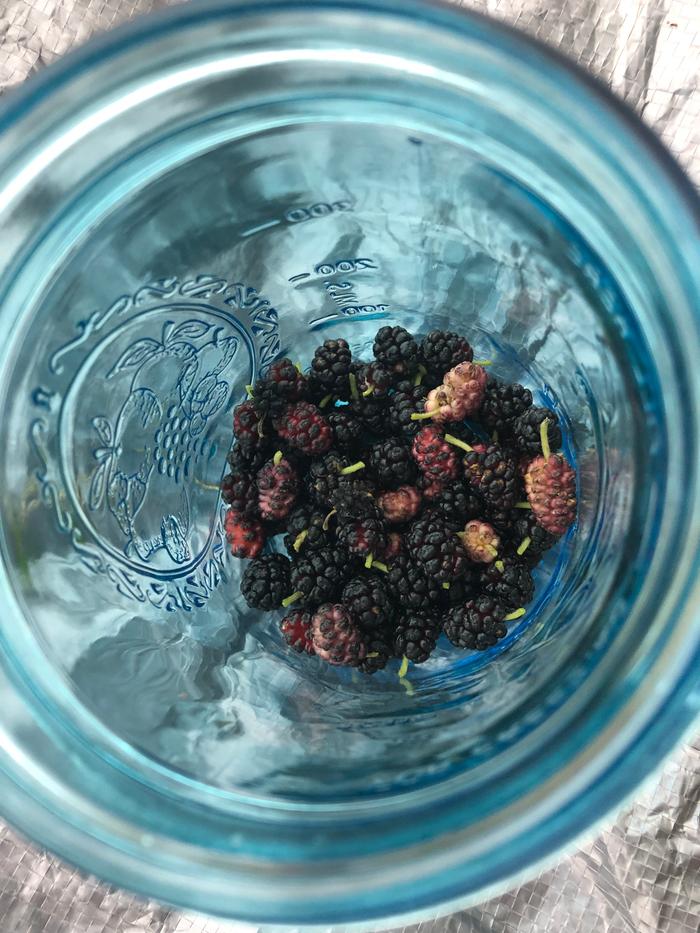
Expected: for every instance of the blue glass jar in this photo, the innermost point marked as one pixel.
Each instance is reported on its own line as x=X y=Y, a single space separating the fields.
x=182 y=201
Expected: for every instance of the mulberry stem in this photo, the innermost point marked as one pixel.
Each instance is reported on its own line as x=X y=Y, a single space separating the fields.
x=327 y=519
x=372 y=654
x=445 y=586
x=407 y=685
x=523 y=505
x=523 y=546
x=368 y=560
x=380 y=566
x=261 y=433
x=514 y=615
x=455 y=441
x=500 y=566
x=423 y=415
x=346 y=471
x=299 y=540
x=404 y=667
x=278 y=456
x=288 y=600
x=368 y=391
x=422 y=371
x=544 y=438
x=325 y=400
x=298 y=368
x=353 y=386
x=249 y=390
x=482 y=362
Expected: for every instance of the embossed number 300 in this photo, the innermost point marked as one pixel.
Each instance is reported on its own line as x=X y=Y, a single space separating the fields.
x=296 y=215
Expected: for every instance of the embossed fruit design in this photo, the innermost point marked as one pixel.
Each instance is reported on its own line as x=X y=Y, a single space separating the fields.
x=122 y=475
x=178 y=384
x=172 y=457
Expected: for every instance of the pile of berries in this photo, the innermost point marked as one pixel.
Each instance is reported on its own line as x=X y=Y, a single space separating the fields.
x=399 y=519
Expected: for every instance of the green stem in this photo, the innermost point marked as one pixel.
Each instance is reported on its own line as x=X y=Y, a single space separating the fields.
x=422 y=415
x=249 y=390
x=422 y=371
x=407 y=685
x=368 y=391
x=346 y=471
x=368 y=561
x=353 y=386
x=404 y=667
x=445 y=586
x=544 y=438
x=327 y=519
x=523 y=505
x=514 y=615
x=455 y=441
x=298 y=368
x=299 y=540
x=500 y=566
x=482 y=362
x=325 y=400
x=288 y=600
x=380 y=566
x=523 y=546
x=277 y=458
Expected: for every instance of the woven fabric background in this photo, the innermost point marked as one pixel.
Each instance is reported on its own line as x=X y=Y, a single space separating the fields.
x=640 y=875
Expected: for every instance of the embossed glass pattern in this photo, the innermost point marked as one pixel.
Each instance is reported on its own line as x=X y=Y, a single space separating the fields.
x=180 y=204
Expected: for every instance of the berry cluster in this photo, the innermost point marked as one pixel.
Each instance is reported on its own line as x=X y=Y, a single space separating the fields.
x=399 y=521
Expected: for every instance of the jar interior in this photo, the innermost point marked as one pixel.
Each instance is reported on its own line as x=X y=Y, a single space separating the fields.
x=199 y=259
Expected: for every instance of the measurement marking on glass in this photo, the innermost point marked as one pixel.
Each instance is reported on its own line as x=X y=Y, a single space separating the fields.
x=351 y=311
x=363 y=309
x=345 y=266
x=338 y=291
x=296 y=215
x=263 y=226
x=345 y=295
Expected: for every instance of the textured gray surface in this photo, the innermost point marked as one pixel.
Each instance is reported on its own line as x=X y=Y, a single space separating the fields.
x=642 y=875
x=648 y=51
